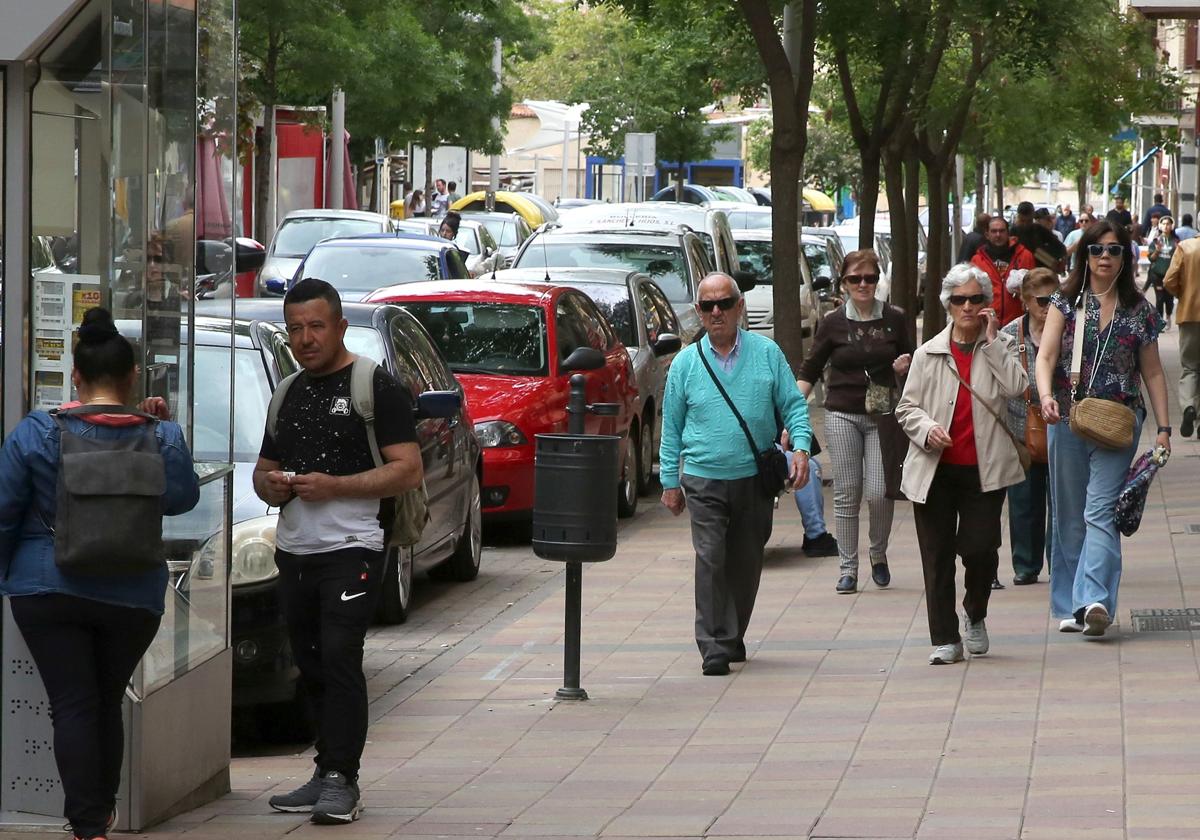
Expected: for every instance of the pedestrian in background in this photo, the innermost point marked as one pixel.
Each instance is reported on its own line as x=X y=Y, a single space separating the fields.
x=440 y=201
x=86 y=632
x=961 y=458
x=997 y=258
x=1185 y=230
x=1183 y=281
x=1066 y=222
x=452 y=192
x=1119 y=350
x=1072 y=241
x=414 y=205
x=810 y=503
x=1156 y=209
x=1162 y=247
x=1030 y=527
x=974 y=240
x=1120 y=214
x=728 y=374
x=860 y=348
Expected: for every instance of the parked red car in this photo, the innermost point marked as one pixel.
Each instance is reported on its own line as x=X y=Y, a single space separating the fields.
x=514 y=347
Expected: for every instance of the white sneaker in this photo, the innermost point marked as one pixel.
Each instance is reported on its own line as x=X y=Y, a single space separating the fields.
x=946 y=654
x=1096 y=620
x=976 y=636
x=1069 y=625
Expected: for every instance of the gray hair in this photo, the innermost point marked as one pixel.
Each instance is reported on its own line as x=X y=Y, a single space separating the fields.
x=737 y=292
x=960 y=275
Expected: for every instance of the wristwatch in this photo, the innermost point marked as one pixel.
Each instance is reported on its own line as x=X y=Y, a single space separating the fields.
x=1164 y=429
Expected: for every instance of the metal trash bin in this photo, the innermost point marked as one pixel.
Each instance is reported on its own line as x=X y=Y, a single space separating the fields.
x=575 y=496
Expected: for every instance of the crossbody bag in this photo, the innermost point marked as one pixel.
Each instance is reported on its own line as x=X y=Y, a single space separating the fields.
x=1035 y=424
x=1022 y=450
x=1106 y=423
x=771 y=463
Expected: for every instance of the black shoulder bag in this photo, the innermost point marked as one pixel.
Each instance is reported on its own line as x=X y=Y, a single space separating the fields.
x=772 y=463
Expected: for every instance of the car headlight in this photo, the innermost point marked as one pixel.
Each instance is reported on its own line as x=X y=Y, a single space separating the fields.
x=495 y=433
x=254 y=550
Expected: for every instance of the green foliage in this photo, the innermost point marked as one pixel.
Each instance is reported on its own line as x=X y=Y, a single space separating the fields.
x=830 y=163
x=580 y=44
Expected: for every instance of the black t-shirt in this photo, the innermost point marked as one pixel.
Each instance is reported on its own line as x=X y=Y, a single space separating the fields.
x=318 y=429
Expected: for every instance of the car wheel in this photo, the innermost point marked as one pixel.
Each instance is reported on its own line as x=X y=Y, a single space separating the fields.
x=397 y=587
x=646 y=456
x=627 y=491
x=463 y=564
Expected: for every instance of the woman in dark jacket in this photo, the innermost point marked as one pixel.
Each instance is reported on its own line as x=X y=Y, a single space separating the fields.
x=86 y=632
x=865 y=346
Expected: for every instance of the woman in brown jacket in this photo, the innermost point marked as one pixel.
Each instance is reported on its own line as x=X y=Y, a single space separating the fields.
x=861 y=348
x=961 y=458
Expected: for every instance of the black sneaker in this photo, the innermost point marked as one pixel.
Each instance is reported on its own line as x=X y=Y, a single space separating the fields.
x=881 y=574
x=1188 y=425
x=339 y=802
x=822 y=546
x=302 y=799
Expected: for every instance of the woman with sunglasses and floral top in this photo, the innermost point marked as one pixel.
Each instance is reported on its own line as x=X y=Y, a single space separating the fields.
x=861 y=348
x=1030 y=528
x=1120 y=349
x=961 y=457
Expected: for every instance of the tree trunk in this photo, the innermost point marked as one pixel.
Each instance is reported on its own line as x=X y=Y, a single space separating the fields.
x=934 y=317
x=902 y=292
x=999 y=188
x=264 y=177
x=679 y=170
x=981 y=200
x=869 y=197
x=786 y=169
x=1081 y=189
x=912 y=211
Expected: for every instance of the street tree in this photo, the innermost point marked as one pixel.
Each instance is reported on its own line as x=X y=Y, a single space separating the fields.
x=831 y=161
x=580 y=43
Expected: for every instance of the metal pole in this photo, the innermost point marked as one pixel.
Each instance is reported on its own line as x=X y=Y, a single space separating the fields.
x=562 y=182
x=576 y=413
x=337 y=157
x=497 y=69
x=1104 y=195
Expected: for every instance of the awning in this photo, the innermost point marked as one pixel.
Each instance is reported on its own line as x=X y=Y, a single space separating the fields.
x=818 y=201
x=1133 y=169
x=554 y=117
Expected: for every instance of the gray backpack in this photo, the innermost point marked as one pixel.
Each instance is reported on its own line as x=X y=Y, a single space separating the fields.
x=411 y=508
x=108 y=519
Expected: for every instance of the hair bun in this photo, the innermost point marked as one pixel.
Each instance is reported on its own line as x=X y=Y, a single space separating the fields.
x=97 y=326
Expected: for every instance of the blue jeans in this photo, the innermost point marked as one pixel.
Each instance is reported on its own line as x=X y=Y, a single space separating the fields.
x=810 y=501
x=1085 y=482
x=1030 y=529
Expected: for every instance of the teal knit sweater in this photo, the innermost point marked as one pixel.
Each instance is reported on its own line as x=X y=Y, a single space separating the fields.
x=698 y=425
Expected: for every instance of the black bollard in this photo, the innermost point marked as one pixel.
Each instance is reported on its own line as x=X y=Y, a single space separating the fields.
x=576 y=413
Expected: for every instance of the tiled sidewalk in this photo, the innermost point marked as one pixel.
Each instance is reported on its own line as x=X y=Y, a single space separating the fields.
x=835 y=727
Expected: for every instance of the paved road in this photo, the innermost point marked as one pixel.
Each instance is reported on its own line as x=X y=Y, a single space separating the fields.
x=835 y=727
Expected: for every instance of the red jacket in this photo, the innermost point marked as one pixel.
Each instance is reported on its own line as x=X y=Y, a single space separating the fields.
x=1008 y=307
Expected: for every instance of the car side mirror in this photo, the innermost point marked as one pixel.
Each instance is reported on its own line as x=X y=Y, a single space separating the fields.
x=822 y=281
x=666 y=343
x=746 y=280
x=438 y=404
x=249 y=255
x=583 y=358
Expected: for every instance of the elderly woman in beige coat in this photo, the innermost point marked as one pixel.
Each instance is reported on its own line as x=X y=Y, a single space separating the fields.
x=961 y=458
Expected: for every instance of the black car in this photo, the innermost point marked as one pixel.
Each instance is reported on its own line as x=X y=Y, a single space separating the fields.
x=452 y=542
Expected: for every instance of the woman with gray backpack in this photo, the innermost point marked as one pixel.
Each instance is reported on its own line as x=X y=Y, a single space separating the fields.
x=83 y=490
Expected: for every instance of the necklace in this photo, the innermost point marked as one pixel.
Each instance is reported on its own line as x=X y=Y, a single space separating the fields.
x=1106 y=291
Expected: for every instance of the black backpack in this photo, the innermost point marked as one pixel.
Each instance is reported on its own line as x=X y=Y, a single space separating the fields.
x=109 y=498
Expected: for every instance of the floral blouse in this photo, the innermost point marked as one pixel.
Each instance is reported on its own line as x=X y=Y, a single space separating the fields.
x=1117 y=375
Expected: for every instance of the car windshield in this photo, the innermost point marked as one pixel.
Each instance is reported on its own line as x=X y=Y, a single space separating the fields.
x=748 y=220
x=252 y=394
x=663 y=263
x=505 y=233
x=297 y=236
x=467 y=240
x=756 y=257
x=613 y=300
x=499 y=338
x=818 y=258
x=356 y=271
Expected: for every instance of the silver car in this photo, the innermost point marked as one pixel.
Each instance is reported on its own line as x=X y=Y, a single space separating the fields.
x=645 y=322
x=302 y=229
x=508 y=229
x=473 y=239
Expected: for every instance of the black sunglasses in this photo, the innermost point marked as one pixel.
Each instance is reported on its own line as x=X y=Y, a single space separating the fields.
x=724 y=304
x=860 y=279
x=1043 y=300
x=1114 y=249
x=962 y=300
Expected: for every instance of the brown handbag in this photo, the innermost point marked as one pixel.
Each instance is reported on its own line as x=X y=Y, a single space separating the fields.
x=1035 y=424
x=1106 y=423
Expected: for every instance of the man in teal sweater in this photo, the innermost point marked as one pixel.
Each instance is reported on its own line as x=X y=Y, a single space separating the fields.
x=731 y=513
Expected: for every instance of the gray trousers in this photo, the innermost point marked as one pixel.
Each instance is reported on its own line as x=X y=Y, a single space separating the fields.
x=1189 y=358
x=731 y=523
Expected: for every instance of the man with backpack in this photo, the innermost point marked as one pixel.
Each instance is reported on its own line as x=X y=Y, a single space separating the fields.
x=336 y=454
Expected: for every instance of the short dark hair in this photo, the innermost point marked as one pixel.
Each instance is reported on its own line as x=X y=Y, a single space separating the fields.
x=102 y=354
x=1158 y=198
x=312 y=288
x=1025 y=208
x=452 y=186
x=1186 y=219
x=1041 y=213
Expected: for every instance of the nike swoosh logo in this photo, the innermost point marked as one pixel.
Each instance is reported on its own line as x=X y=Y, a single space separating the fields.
x=346 y=597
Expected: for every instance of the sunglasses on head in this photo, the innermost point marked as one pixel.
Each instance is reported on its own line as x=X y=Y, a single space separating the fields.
x=1113 y=249
x=962 y=300
x=861 y=279
x=724 y=304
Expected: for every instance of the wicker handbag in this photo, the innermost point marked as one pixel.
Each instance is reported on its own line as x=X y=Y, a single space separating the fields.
x=1106 y=423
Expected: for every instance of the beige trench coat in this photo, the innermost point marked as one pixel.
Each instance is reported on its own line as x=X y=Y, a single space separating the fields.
x=930 y=393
